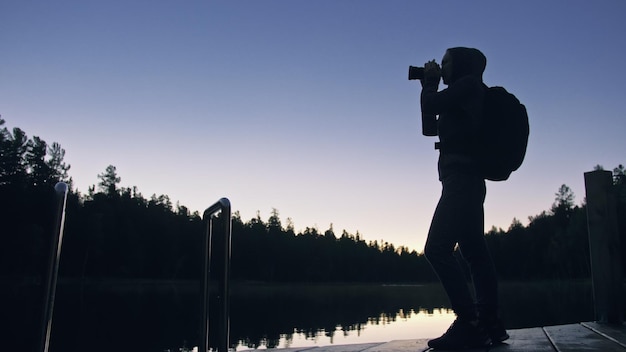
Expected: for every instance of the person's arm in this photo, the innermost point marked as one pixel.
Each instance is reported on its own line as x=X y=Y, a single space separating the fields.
x=457 y=94
x=430 y=84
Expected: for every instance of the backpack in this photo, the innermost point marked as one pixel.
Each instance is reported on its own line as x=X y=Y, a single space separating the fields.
x=504 y=135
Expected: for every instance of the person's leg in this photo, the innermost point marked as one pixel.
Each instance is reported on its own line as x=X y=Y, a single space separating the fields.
x=439 y=250
x=459 y=218
x=449 y=222
x=474 y=250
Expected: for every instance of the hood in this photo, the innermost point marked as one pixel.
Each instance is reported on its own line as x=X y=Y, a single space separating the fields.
x=467 y=61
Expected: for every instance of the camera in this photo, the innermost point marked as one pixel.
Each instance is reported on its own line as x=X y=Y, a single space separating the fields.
x=416 y=72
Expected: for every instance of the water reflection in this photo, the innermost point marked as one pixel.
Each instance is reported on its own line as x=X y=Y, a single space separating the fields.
x=405 y=325
x=144 y=316
x=262 y=313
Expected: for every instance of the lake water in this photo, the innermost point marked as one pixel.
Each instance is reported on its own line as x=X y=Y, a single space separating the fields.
x=136 y=316
x=404 y=325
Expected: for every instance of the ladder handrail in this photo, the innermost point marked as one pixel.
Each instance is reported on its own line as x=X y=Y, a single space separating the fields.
x=61 y=190
x=223 y=206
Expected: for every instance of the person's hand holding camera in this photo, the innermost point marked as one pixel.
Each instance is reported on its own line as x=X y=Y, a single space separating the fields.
x=432 y=72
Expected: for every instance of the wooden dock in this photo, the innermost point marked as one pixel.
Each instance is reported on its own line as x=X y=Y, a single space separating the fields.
x=560 y=338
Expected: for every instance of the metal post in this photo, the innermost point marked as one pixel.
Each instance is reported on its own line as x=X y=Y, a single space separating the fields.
x=604 y=247
x=61 y=190
x=222 y=205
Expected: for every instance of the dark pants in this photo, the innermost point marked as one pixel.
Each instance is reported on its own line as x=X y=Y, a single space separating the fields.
x=459 y=219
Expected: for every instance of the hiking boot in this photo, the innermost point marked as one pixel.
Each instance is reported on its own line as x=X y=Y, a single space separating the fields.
x=495 y=330
x=462 y=334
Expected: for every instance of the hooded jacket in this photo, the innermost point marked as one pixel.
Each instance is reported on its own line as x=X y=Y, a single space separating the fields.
x=459 y=107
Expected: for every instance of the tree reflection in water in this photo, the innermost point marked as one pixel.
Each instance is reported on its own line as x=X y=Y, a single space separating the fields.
x=314 y=311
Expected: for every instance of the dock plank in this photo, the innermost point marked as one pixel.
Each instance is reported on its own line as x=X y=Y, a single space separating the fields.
x=575 y=337
x=616 y=333
x=400 y=346
x=525 y=340
x=347 y=348
x=289 y=349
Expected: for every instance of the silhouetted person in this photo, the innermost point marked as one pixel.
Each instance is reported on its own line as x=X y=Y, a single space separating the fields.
x=459 y=216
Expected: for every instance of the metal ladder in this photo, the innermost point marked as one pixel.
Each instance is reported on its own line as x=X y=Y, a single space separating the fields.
x=222 y=206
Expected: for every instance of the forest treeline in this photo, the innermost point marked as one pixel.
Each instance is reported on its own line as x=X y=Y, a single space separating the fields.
x=116 y=232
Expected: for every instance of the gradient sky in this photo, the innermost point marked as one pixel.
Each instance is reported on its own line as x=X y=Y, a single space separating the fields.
x=305 y=106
